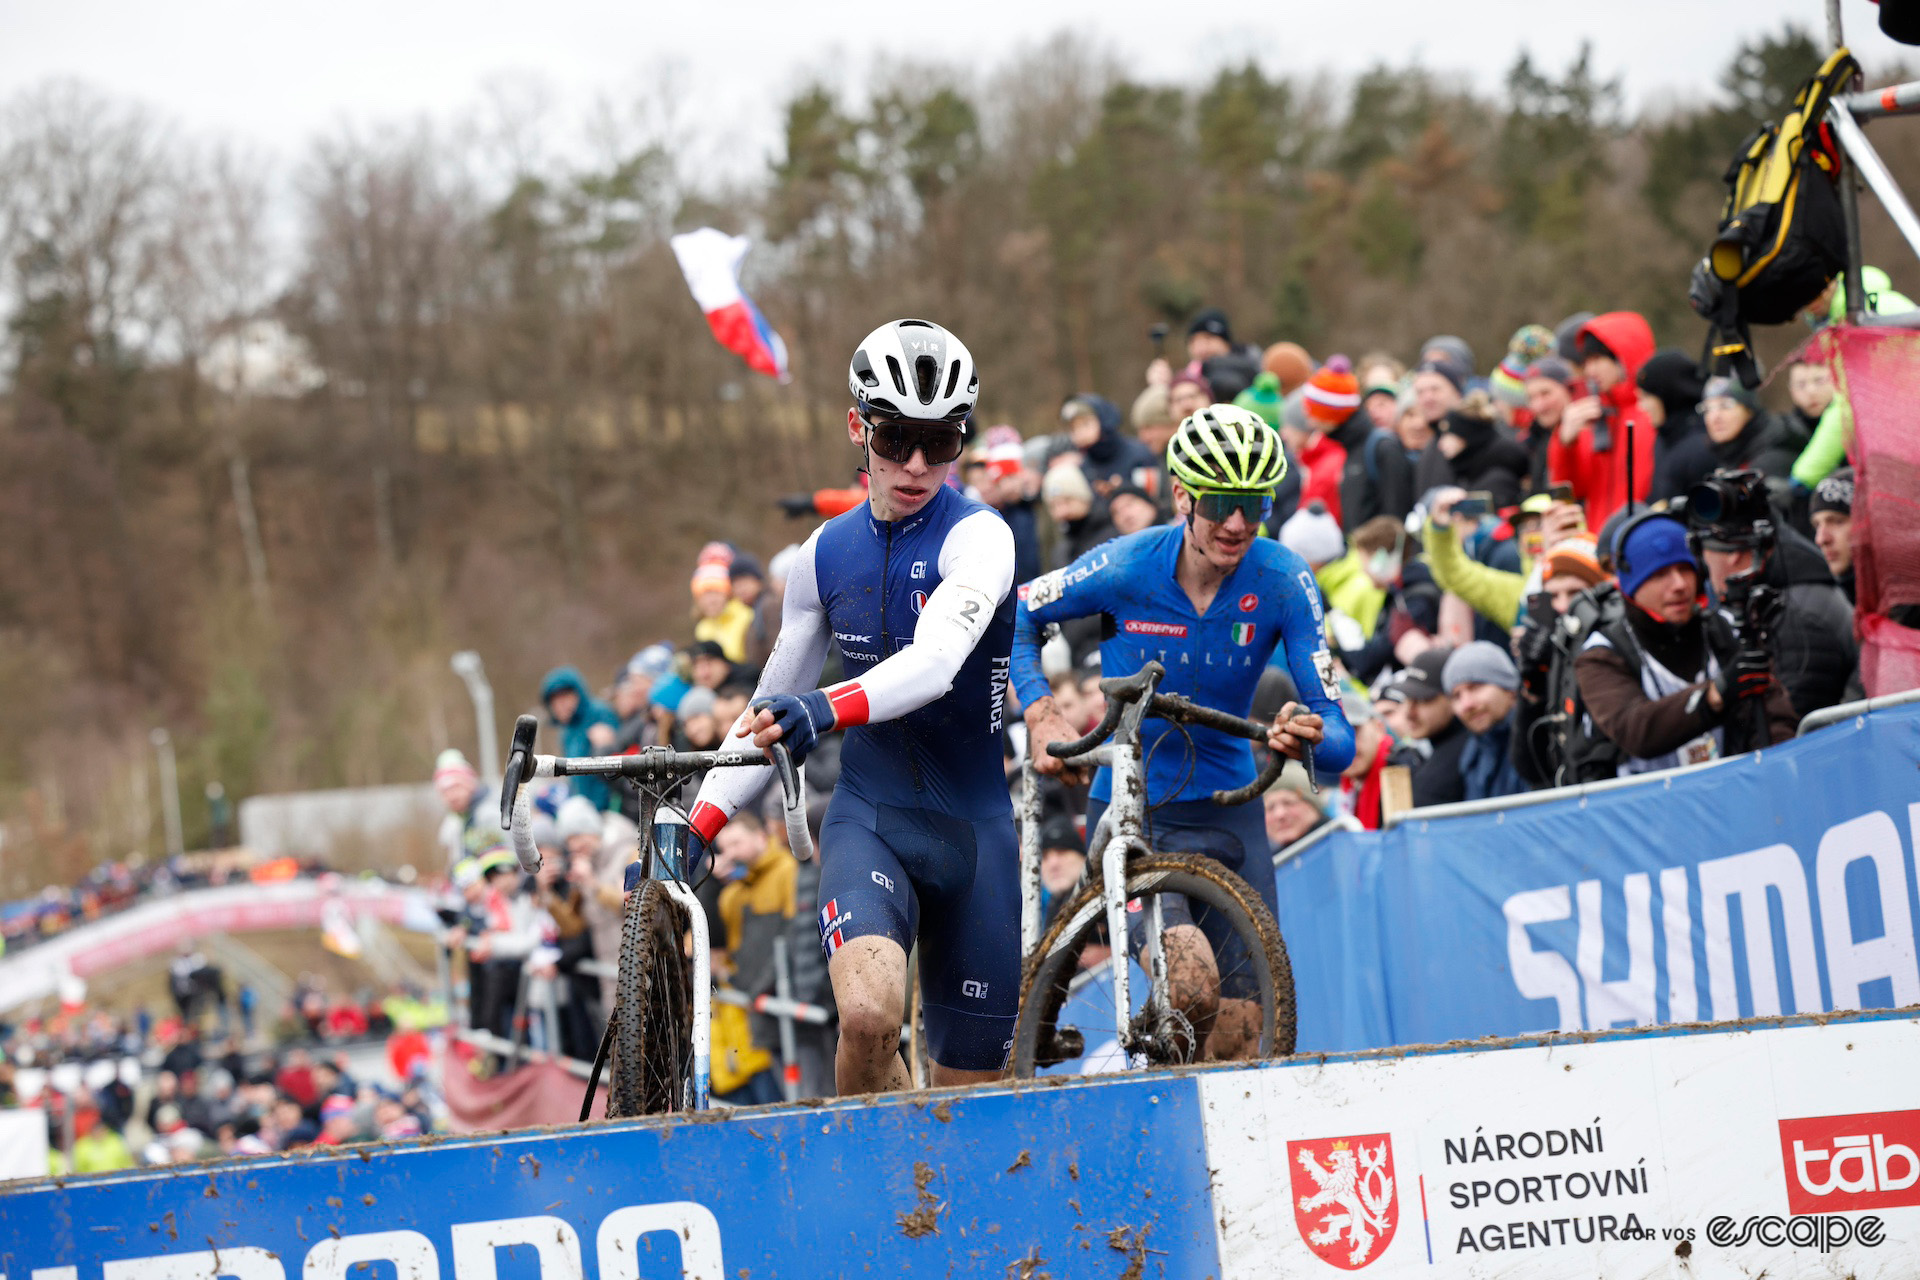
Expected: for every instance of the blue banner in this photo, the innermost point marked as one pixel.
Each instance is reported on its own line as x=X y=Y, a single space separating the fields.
x=1782 y=882
x=1079 y=1181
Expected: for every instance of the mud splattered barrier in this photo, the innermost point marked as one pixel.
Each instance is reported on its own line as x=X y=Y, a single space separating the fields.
x=1611 y=1153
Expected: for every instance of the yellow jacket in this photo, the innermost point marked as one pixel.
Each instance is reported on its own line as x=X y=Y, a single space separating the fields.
x=729 y=630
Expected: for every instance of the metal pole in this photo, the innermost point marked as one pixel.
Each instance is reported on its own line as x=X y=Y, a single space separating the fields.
x=1849 y=193
x=1867 y=164
x=789 y=1048
x=169 y=791
x=467 y=665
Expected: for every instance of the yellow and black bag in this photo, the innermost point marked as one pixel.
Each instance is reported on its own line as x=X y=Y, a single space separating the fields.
x=1782 y=235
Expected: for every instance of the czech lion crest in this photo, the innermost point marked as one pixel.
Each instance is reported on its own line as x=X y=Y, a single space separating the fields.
x=1343 y=1197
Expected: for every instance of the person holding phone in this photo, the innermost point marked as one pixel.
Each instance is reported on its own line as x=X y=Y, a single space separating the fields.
x=1495 y=594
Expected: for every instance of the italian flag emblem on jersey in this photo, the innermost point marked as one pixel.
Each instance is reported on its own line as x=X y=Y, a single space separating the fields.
x=1243 y=633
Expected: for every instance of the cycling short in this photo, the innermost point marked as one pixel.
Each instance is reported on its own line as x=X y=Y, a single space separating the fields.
x=1235 y=837
x=954 y=884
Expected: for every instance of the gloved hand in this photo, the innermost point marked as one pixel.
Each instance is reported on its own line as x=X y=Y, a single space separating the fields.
x=803 y=719
x=1533 y=651
x=796 y=505
x=697 y=858
x=1749 y=675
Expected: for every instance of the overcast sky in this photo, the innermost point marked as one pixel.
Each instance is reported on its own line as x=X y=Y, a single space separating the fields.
x=277 y=74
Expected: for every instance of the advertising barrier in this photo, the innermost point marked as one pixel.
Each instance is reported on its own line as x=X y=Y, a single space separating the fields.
x=1781 y=882
x=1790 y=1148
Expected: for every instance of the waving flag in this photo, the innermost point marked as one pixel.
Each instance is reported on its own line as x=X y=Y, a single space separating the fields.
x=710 y=260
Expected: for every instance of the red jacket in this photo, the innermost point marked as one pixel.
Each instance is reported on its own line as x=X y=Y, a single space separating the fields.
x=1599 y=477
x=1326 y=461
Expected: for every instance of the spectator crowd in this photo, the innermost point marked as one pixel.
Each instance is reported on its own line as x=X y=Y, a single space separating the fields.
x=1582 y=559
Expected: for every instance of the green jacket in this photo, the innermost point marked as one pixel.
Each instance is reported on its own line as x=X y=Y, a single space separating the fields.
x=1495 y=594
x=1346 y=586
x=1833 y=434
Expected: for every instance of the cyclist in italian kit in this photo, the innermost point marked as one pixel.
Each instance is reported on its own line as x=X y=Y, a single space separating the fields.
x=1213 y=602
x=916 y=587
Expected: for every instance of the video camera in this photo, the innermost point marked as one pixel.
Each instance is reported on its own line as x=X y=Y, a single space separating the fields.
x=1730 y=511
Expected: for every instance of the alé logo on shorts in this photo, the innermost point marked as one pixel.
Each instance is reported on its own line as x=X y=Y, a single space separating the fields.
x=1841 y=1163
x=882 y=879
x=1343 y=1198
x=974 y=989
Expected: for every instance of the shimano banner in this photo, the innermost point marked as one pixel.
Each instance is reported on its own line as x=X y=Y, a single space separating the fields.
x=1777 y=883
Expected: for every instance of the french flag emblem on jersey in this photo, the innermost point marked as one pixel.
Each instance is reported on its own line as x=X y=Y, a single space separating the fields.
x=830 y=922
x=710 y=260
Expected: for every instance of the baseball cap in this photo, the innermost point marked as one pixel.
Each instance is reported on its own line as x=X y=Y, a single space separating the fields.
x=1422 y=678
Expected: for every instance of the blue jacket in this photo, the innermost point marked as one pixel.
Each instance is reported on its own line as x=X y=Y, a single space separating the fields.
x=1268 y=607
x=573 y=732
x=1486 y=764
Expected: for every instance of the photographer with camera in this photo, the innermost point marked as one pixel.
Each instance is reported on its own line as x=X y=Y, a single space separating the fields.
x=1768 y=577
x=1660 y=681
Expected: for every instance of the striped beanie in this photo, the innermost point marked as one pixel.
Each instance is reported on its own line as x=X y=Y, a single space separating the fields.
x=1332 y=393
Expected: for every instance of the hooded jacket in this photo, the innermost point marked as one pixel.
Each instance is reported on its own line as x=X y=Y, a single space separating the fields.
x=1682 y=454
x=1488 y=461
x=1764 y=444
x=1377 y=478
x=1599 y=476
x=1114 y=458
x=573 y=731
x=1814 y=653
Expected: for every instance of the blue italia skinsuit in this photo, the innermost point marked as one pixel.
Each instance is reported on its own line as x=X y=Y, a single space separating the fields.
x=1268 y=608
x=918 y=839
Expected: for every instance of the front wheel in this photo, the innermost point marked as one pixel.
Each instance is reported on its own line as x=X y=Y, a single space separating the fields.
x=651 y=1067
x=1067 y=996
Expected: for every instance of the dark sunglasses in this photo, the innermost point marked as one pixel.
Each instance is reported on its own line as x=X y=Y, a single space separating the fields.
x=1218 y=508
x=897 y=440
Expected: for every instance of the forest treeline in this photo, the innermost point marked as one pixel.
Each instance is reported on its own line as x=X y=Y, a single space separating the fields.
x=278 y=437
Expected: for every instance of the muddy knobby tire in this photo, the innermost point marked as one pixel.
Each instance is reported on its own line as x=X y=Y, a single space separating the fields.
x=1047 y=971
x=651 y=1063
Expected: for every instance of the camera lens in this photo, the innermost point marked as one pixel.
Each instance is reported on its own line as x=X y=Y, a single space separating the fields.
x=1704 y=504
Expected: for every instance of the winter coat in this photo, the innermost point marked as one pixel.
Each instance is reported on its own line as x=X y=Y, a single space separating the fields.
x=1764 y=445
x=1345 y=586
x=1599 y=476
x=1682 y=456
x=1230 y=374
x=1383 y=488
x=1323 y=461
x=1114 y=459
x=1486 y=764
x=1437 y=779
x=1489 y=462
x=573 y=732
x=1814 y=653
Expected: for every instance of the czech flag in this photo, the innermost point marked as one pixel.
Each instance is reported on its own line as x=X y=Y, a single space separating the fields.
x=710 y=260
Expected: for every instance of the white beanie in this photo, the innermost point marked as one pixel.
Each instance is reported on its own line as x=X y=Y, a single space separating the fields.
x=577 y=817
x=1313 y=535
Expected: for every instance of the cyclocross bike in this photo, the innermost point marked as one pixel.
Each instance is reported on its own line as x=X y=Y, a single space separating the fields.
x=657 y=1047
x=1072 y=969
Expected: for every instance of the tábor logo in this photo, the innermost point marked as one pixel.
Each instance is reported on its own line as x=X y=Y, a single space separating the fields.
x=1836 y=1164
x=1343 y=1197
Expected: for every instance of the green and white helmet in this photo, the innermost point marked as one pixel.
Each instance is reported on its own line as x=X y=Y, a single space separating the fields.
x=1226 y=447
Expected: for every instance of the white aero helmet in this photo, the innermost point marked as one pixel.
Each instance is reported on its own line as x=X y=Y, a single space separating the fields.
x=914 y=369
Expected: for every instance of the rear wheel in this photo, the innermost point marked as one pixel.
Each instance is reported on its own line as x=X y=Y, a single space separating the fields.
x=1067 y=997
x=651 y=1067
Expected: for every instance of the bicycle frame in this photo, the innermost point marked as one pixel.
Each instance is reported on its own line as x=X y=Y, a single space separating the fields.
x=1122 y=830
x=655 y=768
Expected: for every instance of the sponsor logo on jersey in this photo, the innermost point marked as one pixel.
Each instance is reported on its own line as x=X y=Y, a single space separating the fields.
x=1323 y=667
x=1243 y=633
x=1307 y=584
x=1343 y=1198
x=919 y=569
x=1141 y=627
x=974 y=989
x=882 y=879
x=1249 y=602
x=847 y=637
x=919 y=601
x=1048 y=587
x=832 y=920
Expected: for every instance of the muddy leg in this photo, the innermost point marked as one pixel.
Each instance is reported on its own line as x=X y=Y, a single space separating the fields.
x=1193 y=980
x=869 y=984
x=1236 y=1030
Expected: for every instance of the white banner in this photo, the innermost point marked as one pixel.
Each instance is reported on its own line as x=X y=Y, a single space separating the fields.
x=23 y=1143
x=1787 y=1150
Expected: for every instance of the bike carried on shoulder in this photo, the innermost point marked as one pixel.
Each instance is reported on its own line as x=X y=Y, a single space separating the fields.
x=1073 y=967
x=657 y=1047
